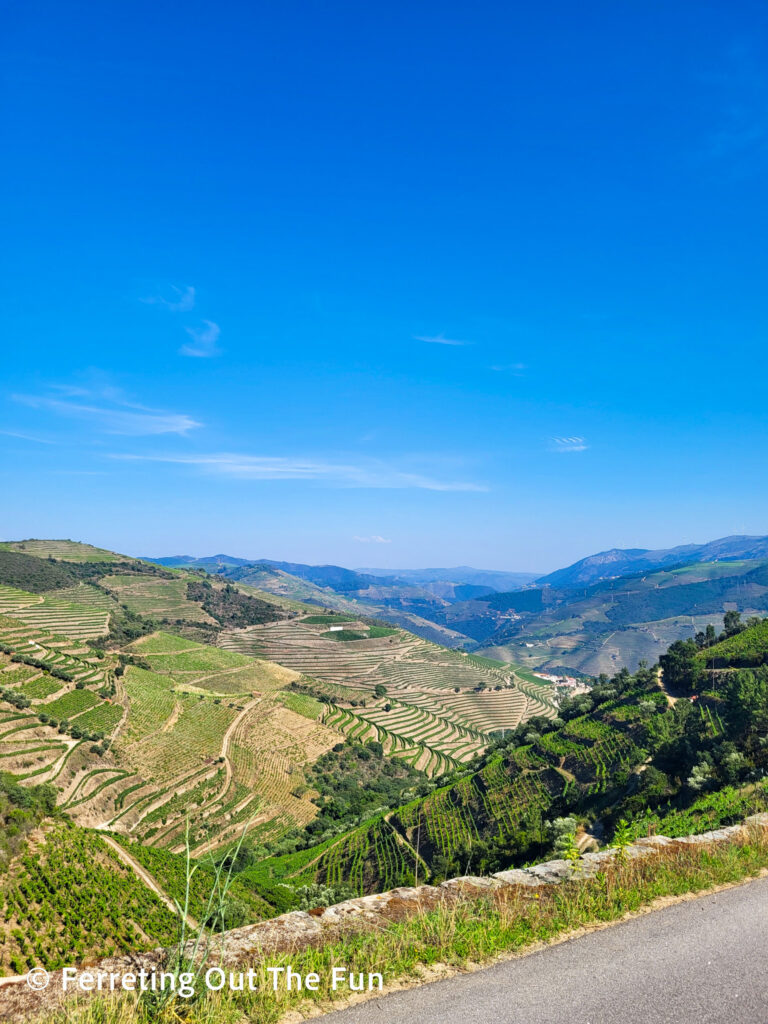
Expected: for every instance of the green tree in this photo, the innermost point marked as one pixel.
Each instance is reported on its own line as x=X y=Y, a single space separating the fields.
x=732 y=622
x=681 y=671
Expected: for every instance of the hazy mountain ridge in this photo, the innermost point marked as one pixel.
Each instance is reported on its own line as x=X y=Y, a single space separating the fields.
x=497 y=748
x=622 y=561
x=612 y=608
x=493 y=579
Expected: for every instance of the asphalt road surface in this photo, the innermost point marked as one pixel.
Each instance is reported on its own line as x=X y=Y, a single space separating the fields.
x=700 y=962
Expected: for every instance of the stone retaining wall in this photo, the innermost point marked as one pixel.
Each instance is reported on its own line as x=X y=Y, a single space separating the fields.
x=299 y=930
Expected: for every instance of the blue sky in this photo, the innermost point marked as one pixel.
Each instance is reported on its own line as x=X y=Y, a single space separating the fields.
x=387 y=284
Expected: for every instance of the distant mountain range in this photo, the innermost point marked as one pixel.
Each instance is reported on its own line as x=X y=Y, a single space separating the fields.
x=621 y=561
x=611 y=608
x=492 y=578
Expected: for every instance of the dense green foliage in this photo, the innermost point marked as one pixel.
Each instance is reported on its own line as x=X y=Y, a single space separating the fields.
x=22 y=808
x=688 y=664
x=746 y=648
x=71 y=898
x=169 y=870
x=230 y=607
x=356 y=781
x=125 y=626
x=620 y=751
x=37 y=575
x=34 y=575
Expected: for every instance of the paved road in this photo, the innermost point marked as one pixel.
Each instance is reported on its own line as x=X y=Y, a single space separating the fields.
x=700 y=962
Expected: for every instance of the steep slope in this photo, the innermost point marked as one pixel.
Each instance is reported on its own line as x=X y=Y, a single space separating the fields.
x=419 y=600
x=417 y=611
x=621 y=752
x=620 y=562
x=135 y=731
x=133 y=741
x=616 y=622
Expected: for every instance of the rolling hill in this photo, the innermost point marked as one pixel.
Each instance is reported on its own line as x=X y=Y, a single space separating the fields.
x=622 y=562
x=622 y=752
x=491 y=579
x=619 y=622
x=418 y=599
x=359 y=755
x=140 y=691
x=607 y=610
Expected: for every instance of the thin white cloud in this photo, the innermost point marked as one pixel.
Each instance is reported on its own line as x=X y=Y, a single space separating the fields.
x=369 y=474
x=203 y=341
x=26 y=437
x=373 y=539
x=439 y=339
x=568 y=444
x=182 y=302
x=122 y=417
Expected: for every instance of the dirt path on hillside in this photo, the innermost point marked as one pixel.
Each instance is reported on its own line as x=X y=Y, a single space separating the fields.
x=227 y=774
x=671 y=701
x=212 y=675
x=228 y=736
x=172 y=719
x=121 y=698
x=143 y=875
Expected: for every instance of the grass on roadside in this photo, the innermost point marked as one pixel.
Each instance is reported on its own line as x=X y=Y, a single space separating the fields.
x=460 y=932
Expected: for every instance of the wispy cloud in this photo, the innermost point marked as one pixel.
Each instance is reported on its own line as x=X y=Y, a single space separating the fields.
x=568 y=444
x=373 y=539
x=204 y=340
x=439 y=339
x=183 y=299
x=115 y=417
x=369 y=473
x=26 y=437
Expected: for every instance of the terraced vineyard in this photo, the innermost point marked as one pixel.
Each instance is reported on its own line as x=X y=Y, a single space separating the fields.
x=52 y=650
x=490 y=804
x=52 y=705
x=198 y=668
x=442 y=704
x=421 y=755
x=54 y=613
x=172 y=729
x=497 y=806
x=503 y=811
x=66 y=550
x=590 y=751
x=72 y=898
x=204 y=731
x=216 y=734
x=405 y=727
x=399 y=661
x=157 y=598
x=375 y=856
x=86 y=596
